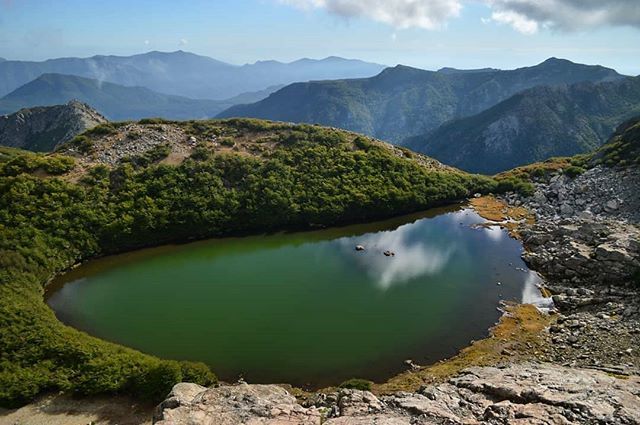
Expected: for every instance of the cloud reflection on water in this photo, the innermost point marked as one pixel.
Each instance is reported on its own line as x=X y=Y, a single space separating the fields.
x=413 y=257
x=531 y=292
x=495 y=233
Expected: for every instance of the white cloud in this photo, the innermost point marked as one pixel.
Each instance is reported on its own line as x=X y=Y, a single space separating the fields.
x=527 y=16
x=519 y=22
x=183 y=42
x=427 y=14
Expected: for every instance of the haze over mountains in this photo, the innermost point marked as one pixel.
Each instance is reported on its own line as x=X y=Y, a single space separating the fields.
x=114 y=101
x=185 y=74
x=480 y=120
x=402 y=102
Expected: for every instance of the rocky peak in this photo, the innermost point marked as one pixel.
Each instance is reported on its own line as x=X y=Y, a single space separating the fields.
x=44 y=128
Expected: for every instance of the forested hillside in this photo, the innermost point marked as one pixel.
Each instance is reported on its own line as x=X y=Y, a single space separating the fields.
x=402 y=102
x=534 y=125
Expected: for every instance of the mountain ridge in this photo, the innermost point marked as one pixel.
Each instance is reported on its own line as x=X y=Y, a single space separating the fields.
x=402 y=101
x=115 y=101
x=43 y=128
x=534 y=125
x=183 y=73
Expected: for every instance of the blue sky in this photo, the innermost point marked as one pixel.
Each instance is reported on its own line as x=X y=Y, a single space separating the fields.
x=460 y=33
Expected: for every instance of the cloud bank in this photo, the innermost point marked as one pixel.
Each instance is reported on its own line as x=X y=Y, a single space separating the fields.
x=525 y=16
x=427 y=14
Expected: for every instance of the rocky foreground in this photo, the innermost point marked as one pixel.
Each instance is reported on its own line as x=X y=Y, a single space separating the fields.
x=517 y=394
x=586 y=244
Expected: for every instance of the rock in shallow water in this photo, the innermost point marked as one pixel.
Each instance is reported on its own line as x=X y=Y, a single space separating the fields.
x=517 y=394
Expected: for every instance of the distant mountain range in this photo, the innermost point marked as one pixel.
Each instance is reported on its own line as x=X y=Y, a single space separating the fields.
x=114 y=101
x=480 y=120
x=403 y=102
x=44 y=128
x=534 y=125
x=185 y=74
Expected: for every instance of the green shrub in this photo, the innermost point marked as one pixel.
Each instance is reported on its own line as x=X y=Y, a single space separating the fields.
x=574 y=171
x=81 y=144
x=102 y=130
x=28 y=163
x=227 y=141
x=514 y=184
x=357 y=384
x=201 y=153
x=198 y=373
x=155 y=382
x=152 y=156
x=362 y=143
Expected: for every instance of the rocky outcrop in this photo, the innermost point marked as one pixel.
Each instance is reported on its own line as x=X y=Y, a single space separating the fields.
x=44 y=128
x=586 y=232
x=586 y=244
x=517 y=394
x=598 y=193
x=574 y=251
x=237 y=404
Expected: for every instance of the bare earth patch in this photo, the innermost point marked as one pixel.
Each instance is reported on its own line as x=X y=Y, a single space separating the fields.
x=505 y=215
x=65 y=410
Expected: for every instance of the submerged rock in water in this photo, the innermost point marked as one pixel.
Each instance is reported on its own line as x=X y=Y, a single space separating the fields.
x=524 y=394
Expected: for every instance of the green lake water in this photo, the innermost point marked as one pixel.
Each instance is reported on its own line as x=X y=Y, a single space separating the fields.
x=305 y=308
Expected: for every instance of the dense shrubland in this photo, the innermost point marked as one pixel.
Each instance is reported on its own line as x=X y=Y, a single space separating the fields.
x=48 y=223
x=623 y=149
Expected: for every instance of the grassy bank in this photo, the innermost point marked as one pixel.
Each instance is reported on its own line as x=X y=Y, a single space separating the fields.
x=57 y=210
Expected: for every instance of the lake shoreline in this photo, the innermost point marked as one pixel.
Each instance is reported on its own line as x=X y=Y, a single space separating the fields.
x=435 y=261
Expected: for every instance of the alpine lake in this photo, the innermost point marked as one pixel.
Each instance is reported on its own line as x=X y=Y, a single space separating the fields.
x=306 y=308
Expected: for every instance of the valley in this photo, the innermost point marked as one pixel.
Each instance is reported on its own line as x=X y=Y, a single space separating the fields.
x=213 y=214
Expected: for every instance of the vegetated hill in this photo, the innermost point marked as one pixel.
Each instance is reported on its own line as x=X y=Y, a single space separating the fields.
x=402 y=102
x=534 y=125
x=449 y=70
x=126 y=185
x=44 y=128
x=116 y=102
x=623 y=148
x=253 y=96
x=185 y=74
